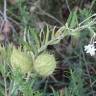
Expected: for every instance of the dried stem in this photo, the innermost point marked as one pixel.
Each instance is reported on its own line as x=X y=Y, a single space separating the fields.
x=5 y=10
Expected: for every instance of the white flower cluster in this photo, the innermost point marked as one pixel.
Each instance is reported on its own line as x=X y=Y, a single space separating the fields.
x=90 y=48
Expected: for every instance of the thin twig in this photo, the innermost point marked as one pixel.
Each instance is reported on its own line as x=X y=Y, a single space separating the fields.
x=68 y=5
x=5 y=10
x=49 y=15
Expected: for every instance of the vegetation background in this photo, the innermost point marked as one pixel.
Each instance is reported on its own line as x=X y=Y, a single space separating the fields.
x=31 y=25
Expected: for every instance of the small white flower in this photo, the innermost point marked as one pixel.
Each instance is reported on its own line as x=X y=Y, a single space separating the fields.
x=90 y=48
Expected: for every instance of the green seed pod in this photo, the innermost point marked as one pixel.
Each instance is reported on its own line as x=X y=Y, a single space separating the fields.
x=45 y=64
x=75 y=34
x=21 y=61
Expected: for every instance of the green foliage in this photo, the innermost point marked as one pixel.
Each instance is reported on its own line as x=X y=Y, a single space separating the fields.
x=76 y=85
x=81 y=25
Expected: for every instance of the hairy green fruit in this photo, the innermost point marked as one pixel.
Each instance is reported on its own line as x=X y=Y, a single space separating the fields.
x=21 y=61
x=45 y=64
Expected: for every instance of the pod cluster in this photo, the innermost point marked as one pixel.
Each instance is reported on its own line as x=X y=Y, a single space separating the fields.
x=44 y=64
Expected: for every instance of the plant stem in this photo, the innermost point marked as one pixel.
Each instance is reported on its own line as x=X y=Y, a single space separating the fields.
x=5 y=10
